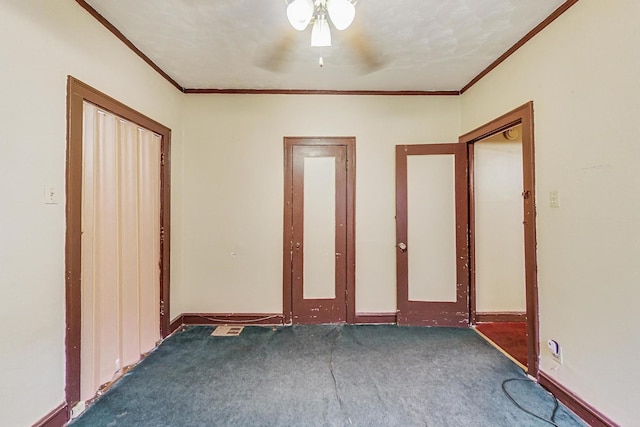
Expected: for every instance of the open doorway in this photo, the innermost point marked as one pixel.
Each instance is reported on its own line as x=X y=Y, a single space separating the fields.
x=500 y=298
x=503 y=288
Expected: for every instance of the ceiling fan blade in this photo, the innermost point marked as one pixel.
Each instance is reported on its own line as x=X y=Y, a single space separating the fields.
x=368 y=55
x=277 y=57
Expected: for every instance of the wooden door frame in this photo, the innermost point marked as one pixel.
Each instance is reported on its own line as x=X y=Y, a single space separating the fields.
x=77 y=93
x=522 y=115
x=442 y=313
x=350 y=143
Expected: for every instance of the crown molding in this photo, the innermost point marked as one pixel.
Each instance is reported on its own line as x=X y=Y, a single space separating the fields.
x=531 y=34
x=325 y=92
x=557 y=13
x=109 y=26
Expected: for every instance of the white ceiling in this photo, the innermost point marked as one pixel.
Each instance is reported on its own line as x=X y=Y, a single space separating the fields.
x=423 y=45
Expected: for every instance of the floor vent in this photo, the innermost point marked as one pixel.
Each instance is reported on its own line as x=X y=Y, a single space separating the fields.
x=227 y=331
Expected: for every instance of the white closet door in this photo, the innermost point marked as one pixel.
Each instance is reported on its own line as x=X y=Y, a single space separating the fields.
x=120 y=246
x=149 y=235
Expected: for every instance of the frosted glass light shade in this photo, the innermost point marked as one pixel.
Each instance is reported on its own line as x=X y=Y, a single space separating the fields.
x=299 y=13
x=320 y=34
x=341 y=13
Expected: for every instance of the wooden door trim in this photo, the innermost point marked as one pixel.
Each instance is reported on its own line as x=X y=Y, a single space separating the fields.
x=350 y=143
x=411 y=312
x=522 y=115
x=473 y=317
x=77 y=93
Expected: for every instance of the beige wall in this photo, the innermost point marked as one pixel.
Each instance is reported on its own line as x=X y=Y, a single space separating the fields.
x=233 y=198
x=582 y=74
x=41 y=42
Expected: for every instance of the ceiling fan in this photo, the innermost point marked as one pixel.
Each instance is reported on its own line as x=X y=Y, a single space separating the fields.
x=301 y=12
x=319 y=14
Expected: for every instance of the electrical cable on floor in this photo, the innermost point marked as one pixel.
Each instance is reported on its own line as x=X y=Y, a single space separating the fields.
x=551 y=421
x=260 y=319
x=333 y=374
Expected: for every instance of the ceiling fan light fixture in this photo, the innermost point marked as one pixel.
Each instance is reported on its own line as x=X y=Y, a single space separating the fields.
x=299 y=13
x=320 y=33
x=341 y=12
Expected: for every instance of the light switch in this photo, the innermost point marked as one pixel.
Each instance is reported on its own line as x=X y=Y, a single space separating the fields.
x=50 y=195
x=554 y=200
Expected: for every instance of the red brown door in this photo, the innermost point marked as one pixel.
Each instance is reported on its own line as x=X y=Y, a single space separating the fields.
x=318 y=230
x=432 y=235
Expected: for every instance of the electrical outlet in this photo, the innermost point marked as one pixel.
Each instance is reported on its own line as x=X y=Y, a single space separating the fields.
x=554 y=199
x=556 y=350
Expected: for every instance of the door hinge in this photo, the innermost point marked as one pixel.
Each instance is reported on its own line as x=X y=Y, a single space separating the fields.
x=161 y=308
x=161 y=159
x=161 y=234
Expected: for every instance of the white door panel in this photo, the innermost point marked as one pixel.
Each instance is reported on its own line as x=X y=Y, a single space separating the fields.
x=431 y=226
x=120 y=246
x=319 y=228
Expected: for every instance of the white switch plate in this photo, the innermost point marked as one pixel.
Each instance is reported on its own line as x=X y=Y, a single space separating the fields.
x=554 y=199
x=50 y=194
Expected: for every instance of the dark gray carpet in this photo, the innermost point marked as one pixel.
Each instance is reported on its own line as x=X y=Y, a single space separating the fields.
x=326 y=375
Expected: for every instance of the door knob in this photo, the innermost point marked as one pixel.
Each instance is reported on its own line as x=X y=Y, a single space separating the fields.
x=402 y=246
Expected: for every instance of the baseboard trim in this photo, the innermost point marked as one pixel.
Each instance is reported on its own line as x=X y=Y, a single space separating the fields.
x=56 y=418
x=222 y=318
x=588 y=413
x=376 y=318
x=265 y=319
x=176 y=323
x=501 y=316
